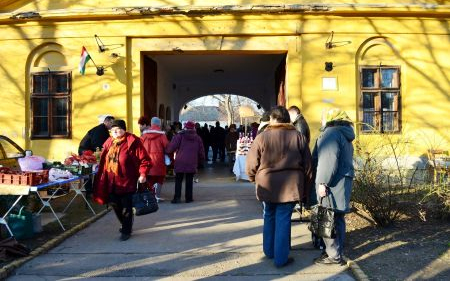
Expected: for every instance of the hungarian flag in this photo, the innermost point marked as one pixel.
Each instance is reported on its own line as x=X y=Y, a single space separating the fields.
x=85 y=57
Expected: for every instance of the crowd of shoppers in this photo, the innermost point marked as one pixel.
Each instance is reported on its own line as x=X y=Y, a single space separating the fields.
x=280 y=163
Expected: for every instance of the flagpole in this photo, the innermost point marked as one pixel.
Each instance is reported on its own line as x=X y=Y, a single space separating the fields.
x=91 y=58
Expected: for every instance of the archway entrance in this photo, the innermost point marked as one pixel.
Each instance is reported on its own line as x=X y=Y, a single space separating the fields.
x=171 y=80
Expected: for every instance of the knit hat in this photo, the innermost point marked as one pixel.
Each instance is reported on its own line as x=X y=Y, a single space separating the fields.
x=336 y=114
x=189 y=125
x=102 y=117
x=155 y=121
x=119 y=123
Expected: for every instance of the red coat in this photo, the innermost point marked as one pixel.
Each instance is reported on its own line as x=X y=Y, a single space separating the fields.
x=155 y=142
x=133 y=162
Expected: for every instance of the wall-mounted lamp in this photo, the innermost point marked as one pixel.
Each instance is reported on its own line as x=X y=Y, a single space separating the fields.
x=100 y=70
x=328 y=66
x=102 y=47
x=329 y=44
x=258 y=106
x=185 y=106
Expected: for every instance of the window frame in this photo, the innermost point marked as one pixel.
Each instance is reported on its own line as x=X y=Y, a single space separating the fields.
x=377 y=90
x=50 y=97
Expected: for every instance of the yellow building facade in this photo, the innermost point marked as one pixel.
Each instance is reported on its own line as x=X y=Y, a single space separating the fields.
x=387 y=65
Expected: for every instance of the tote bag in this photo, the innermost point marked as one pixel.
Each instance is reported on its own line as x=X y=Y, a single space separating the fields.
x=144 y=202
x=322 y=222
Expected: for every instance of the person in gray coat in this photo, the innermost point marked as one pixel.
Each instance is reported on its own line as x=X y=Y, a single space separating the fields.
x=334 y=177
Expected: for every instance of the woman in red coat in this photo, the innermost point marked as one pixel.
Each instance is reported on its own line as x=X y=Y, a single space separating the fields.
x=155 y=142
x=124 y=162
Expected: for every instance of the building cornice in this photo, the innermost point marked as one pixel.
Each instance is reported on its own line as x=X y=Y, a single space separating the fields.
x=350 y=10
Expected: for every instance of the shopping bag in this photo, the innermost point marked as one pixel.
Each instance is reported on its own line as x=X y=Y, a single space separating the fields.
x=21 y=224
x=144 y=201
x=322 y=222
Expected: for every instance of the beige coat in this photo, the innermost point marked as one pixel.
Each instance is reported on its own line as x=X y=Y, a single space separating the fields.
x=279 y=162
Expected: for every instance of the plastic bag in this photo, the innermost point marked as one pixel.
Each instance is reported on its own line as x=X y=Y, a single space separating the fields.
x=31 y=163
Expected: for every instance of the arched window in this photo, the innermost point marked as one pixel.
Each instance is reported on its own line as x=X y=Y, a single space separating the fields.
x=50 y=93
x=379 y=88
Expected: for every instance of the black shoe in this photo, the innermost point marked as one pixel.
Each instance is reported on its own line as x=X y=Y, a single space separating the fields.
x=327 y=260
x=189 y=200
x=175 y=201
x=125 y=237
x=322 y=256
x=120 y=230
x=288 y=262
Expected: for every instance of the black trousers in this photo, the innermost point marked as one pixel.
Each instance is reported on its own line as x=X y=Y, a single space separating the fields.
x=189 y=183
x=123 y=207
x=219 y=149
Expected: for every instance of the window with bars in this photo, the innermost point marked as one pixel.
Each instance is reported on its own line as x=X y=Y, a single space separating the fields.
x=379 y=106
x=51 y=105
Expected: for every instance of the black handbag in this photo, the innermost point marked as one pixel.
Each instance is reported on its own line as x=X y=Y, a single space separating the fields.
x=144 y=202
x=322 y=222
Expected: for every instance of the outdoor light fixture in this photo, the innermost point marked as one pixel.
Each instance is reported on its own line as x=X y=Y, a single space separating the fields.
x=185 y=106
x=329 y=44
x=100 y=70
x=102 y=47
x=328 y=66
x=258 y=106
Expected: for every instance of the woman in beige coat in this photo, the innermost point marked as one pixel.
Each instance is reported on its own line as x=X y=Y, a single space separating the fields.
x=279 y=162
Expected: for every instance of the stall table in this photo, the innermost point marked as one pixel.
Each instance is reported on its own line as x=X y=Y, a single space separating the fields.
x=76 y=184
x=239 y=167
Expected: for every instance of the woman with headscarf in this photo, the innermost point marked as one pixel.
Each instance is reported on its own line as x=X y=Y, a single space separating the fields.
x=123 y=164
x=189 y=150
x=279 y=162
x=333 y=154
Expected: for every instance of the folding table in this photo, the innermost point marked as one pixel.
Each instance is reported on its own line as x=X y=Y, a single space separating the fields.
x=46 y=201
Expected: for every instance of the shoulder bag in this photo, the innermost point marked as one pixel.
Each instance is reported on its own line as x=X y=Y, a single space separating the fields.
x=144 y=202
x=322 y=222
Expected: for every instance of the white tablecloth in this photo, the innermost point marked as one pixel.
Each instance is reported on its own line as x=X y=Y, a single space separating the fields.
x=239 y=167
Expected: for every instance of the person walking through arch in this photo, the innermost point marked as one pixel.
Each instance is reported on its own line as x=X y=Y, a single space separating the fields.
x=218 y=142
x=279 y=162
x=189 y=150
x=155 y=142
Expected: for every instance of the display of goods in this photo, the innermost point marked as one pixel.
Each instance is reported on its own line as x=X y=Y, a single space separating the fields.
x=243 y=144
x=87 y=157
x=24 y=178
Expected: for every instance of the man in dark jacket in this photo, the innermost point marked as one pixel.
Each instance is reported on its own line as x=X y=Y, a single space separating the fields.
x=96 y=136
x=299 y=122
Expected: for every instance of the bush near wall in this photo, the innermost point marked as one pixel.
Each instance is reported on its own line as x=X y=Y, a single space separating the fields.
x=386 y=190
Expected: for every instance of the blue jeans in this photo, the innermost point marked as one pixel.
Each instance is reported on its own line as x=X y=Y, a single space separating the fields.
x=277 y=231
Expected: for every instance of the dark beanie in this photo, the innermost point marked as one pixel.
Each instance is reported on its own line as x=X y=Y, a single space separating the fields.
x=119 y=123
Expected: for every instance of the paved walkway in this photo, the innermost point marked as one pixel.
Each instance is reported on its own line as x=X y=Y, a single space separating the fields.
x=217 y=237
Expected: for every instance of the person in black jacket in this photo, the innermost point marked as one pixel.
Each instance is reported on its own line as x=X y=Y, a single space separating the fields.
x=96 y=136
x=299 y=122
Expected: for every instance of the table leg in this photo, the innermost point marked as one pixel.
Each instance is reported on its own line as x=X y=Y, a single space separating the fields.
x=79 y=191
x=3 y=219
x=47 y=204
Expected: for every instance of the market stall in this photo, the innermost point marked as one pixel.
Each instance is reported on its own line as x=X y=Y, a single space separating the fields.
x=47 y=184
x=243 y=146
